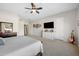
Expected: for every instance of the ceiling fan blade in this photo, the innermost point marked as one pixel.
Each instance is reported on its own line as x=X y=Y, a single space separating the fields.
x=39 y=8
x=37 y=12
x=28 y=8
x=33 y=5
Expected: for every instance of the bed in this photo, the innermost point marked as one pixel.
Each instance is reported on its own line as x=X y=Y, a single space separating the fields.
x=20 y=46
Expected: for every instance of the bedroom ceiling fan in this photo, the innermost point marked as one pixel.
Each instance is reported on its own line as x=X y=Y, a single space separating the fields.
x=34 y=8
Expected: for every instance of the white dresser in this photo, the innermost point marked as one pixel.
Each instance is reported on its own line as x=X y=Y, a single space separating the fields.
x=47 y=34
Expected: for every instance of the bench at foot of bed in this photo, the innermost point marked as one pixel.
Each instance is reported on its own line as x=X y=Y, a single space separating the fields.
x=39 y=54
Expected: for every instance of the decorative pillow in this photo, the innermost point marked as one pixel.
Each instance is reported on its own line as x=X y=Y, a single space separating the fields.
x=1 y=42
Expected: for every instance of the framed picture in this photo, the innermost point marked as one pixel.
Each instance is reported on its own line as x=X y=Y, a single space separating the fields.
x=8 y=25
x=36 y=25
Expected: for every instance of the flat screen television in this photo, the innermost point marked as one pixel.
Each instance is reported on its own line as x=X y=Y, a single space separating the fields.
x=49 y=25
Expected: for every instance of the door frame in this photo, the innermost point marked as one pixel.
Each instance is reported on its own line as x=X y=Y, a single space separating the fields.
x=25 y=30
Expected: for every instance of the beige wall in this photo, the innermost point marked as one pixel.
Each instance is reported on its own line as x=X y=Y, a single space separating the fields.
x=78 y=25
x=21 y=27
x=64 y=23
x=12 y=18
x=7 y=17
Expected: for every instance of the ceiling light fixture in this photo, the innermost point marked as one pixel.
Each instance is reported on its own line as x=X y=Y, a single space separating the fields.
x=34 y=8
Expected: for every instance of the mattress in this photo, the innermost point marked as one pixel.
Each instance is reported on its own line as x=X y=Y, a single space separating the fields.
x=20 y=46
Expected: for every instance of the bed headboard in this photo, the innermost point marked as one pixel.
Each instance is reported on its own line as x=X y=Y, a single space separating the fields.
x=5 y=35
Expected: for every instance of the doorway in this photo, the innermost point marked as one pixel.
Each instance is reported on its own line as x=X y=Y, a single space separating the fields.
x=25 y=30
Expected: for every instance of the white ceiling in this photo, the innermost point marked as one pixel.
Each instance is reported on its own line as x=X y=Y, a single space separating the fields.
x=48 y=9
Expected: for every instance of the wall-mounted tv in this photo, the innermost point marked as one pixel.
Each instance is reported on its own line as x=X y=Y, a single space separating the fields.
x=49 y=25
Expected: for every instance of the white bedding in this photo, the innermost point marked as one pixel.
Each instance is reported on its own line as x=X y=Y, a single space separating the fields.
x=20 y=46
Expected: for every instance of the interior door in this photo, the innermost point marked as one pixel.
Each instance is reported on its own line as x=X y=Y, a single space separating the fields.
x=25 y=30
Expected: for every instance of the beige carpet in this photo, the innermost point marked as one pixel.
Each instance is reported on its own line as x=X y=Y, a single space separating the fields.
x=58 y=47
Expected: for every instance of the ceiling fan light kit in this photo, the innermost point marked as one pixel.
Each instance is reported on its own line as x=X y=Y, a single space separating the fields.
x=34 y=8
